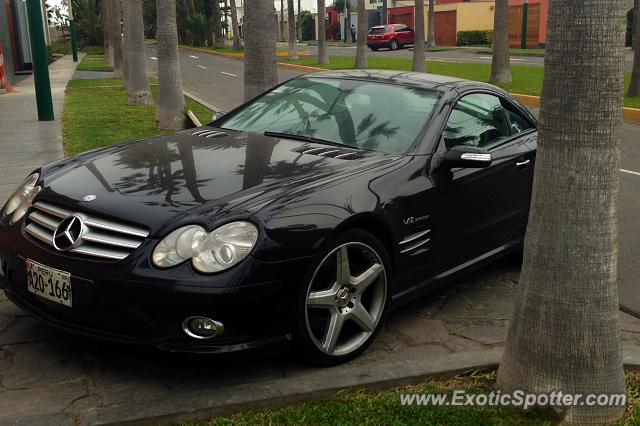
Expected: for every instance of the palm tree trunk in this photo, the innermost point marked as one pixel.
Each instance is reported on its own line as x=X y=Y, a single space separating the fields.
x=323 y=54
x=105 y=9
x=125 y=59
x=260 y=69
x=237 y=43
x=138 y=87
x=115 y=32
x=385 y=18
x=564 y=333
x=191 y=9
x=634 y=87
x=418 y=47
x=299 y=21
x=218 y=39
x=501 y=63
x=281 y=24
x=291 y=21
x=361 y=37
x=431 y=39
x=347 y=6
x=170 y=113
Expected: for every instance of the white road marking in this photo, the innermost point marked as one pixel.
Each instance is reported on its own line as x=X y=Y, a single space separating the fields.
x=153 y=57
x=228 y=73
x=204 y=68
x=630 y=172
x=194 y=57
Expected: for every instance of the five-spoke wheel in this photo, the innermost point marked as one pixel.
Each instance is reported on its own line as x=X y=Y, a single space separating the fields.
x=345 y=299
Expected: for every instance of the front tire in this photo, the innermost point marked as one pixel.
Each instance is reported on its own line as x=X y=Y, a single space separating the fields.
x=344 y=301
x=395 y=45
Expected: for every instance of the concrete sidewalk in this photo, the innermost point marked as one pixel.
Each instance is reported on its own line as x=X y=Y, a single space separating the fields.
x=25 y=142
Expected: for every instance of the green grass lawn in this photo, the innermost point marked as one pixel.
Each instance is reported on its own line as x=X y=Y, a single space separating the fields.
x=94 y=63
x=96 y=114
x=526 y=80
x=359 y=407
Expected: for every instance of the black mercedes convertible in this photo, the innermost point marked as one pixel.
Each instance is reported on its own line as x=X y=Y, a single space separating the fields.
x=299 y=218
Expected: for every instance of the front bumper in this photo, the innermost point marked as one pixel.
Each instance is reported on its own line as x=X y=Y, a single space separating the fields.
x=131 y=302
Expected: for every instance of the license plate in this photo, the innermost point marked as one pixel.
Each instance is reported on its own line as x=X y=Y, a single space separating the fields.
x=49 y=283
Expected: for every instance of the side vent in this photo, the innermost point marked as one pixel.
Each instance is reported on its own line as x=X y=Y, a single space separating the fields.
x=415 y=241
x=209 y=133
x=338 y=153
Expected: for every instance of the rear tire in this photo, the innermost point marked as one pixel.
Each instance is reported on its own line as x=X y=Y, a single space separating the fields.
x=375 y=49
x=344 y=300
x=395 y=45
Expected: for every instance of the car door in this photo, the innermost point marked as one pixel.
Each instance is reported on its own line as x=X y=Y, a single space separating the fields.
x=480 y=211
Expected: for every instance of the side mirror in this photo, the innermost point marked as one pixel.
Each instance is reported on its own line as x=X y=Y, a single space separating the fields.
x=468 y=157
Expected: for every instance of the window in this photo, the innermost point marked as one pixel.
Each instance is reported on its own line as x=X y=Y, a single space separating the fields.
x=360 y=114
x=477 y=120
x=518 y=123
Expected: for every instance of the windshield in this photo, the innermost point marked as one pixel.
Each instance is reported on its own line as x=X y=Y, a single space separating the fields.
x=358 y=114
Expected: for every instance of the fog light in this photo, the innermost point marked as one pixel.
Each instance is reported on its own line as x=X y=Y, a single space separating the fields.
x=202 y=327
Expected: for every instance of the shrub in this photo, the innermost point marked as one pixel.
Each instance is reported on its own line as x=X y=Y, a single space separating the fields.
x=467 y=38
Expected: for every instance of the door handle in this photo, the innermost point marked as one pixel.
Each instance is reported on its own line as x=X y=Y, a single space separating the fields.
x=523 y=164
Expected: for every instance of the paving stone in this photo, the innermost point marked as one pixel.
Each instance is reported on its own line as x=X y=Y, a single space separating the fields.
x=8 y=308
x=24 y=330
x=485 y=332
x=42 y=364
x=39 y=401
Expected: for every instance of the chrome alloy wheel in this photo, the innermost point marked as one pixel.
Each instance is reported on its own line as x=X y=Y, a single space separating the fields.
x=346 y=299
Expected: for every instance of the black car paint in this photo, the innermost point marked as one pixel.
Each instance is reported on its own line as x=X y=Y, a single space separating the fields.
x=298 y=201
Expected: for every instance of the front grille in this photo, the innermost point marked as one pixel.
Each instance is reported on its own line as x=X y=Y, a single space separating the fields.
x=101 y=238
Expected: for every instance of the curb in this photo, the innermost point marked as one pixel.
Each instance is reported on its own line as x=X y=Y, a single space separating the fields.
x=327 y=381
x=531 y=55
x=302 y=68
x=631 y=115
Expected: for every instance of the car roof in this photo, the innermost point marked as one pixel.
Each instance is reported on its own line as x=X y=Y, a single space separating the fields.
x=405 y=78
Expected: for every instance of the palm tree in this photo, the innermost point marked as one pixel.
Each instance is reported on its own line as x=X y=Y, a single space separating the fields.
x=418 y=47
x=564 y=333
x=237 y=44
x=385 y=18
x=218 y=39
x=170 y=113
x=431 y=39
x=299 y=21
x=105 y=11
x=347 y=7
x=114 y=11
x=138 y=85
x=323 y=55
x=361 y=45
x=281 y=23
x=260 y=68
x=634 y=87
x=501 y=64
x=291 y=21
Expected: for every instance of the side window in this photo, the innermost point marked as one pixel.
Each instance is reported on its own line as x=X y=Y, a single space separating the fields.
x=518 y=123
x=477 y=120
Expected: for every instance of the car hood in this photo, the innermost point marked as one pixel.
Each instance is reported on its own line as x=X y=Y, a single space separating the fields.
x=197 y=172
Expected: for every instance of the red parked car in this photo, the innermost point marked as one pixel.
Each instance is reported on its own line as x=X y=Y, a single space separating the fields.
x=393 y=36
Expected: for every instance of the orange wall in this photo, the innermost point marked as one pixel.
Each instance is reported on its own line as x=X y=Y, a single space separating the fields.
x=544 y=13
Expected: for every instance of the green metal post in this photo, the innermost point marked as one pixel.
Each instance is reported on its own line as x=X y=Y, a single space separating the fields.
x=72 y=30
x=40 y=61
x=525 y=14
x=74 y=43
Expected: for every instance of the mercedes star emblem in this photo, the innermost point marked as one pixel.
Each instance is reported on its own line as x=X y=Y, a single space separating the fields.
x=69 y=233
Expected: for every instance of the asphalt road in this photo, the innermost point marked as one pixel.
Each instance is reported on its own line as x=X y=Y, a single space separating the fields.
x=219 y=82
x=461 y=55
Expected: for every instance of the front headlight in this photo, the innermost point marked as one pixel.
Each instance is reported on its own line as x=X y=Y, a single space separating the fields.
x=21 y=199
x=221 y=249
